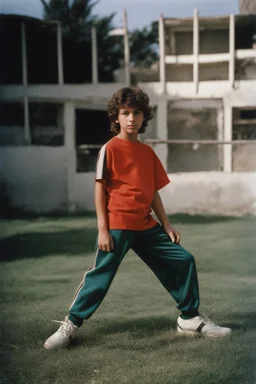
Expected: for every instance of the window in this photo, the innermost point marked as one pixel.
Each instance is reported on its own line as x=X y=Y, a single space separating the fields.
x=12 y=124
x=46 y=124
x=244 y=128
x=92 y=131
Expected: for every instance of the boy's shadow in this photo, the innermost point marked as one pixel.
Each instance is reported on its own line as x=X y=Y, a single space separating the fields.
x=139 y=328
x=139 y=325
x=143 y=327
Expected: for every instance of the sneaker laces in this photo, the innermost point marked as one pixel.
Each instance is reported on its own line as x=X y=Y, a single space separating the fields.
x=66 y=327
x=205 y=318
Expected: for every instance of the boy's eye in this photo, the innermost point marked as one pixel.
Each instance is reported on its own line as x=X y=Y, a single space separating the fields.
x=135 y=113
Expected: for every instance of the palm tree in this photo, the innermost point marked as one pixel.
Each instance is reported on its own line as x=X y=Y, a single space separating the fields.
x=76 y=20
x=144 y=45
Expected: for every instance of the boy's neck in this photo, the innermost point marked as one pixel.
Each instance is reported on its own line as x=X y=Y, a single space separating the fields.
x=132 y=138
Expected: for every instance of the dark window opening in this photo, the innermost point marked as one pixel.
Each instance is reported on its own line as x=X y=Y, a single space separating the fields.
x=245 y=38
x=244 y=124
x=12 y=124
x=248 y=114
x=46 y=124
x=11 y=56
x=244 y=32
x=244 y=128
x=193 y=124
x=41 y=43
x=92 y=128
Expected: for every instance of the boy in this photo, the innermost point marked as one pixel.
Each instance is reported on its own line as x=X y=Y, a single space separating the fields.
x=128 y=178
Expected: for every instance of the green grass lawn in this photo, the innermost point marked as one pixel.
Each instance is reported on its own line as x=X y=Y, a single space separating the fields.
x=131 y=338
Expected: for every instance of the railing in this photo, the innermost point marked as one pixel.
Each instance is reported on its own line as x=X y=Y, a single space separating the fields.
x=186 y=155
x=182 y=141
x=88 y=146
x=197 y=157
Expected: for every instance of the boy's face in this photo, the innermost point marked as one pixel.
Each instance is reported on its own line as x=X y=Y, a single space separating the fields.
x=130 y=120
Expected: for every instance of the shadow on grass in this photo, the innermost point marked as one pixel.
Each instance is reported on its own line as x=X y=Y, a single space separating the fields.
x=16 y=213
x=74 y=241
x=138 y=328
x=40 y=244
x=148 y=324
x=141 y=328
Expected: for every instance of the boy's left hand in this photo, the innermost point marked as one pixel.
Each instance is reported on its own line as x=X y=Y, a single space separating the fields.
x=173 y=234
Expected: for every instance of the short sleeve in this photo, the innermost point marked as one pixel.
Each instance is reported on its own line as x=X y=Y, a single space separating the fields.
x=101 y=165
x=161 y=178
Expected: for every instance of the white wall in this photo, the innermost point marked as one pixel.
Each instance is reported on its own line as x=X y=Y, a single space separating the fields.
x=194 y=193
x=211 y=193
x=87 y=93
x=12 y=135
x=43 y=179
x=34 y=177
x=243 y=94
x=84 y=191
x=36 y=181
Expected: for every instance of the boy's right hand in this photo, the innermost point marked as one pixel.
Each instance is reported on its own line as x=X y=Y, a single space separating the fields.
x=105 y=241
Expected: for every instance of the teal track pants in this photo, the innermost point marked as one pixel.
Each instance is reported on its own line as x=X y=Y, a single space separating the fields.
x=171 y=263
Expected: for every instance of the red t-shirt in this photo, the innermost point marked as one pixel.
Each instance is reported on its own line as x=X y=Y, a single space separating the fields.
x=133 y=173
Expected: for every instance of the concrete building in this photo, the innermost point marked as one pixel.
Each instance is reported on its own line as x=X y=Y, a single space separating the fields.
x=247 y=6
x=204 y=128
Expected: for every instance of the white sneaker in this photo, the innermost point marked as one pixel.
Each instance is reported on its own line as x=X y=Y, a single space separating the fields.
x=63 y=336
x=201 y=325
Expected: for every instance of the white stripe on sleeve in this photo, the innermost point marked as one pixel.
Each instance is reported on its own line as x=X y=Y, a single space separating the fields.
x=101 y=167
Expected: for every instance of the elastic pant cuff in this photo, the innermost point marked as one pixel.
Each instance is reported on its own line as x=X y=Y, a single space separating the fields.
x=75 y=320
x=189 y=315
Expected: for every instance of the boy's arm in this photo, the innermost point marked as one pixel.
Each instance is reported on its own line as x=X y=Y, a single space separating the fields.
x=158 y=208
x=105 y=241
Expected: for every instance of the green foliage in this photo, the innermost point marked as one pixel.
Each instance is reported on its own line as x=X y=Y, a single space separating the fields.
x=143 y=45
x=76 y=20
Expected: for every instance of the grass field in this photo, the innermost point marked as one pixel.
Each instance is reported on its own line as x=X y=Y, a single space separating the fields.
x=131 y=338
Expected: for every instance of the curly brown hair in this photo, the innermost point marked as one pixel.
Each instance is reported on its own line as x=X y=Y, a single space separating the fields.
x=130 y=97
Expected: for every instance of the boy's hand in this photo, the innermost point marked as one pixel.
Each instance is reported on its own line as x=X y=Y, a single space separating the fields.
x=105 y=241
x=173 y=234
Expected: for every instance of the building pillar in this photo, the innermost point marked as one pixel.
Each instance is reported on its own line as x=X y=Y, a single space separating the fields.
x=70 y=153
x=162 y=67
x=196 y=50
x=162 y=132
x=24 y=55
x=59 y=54
x=227 y=148
x=27 y=133
x=94 y=56
x=126 y=51
x=220 y=128
x=232 y=50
